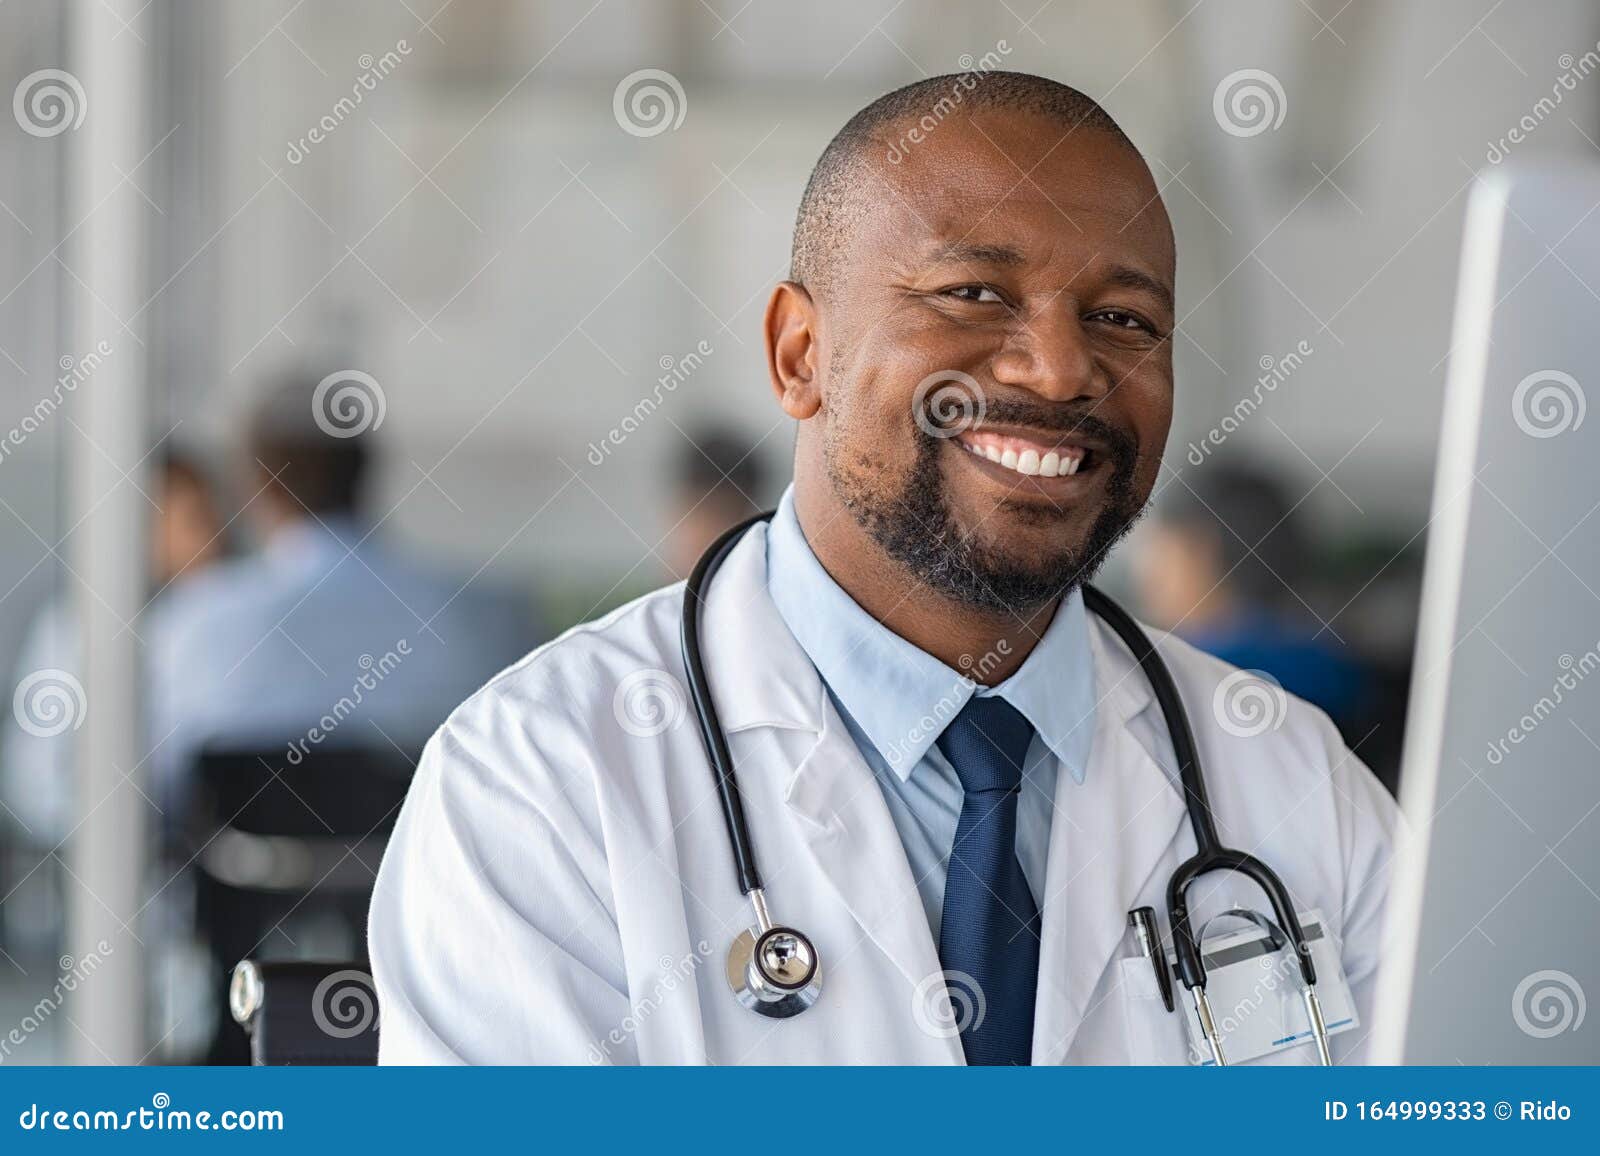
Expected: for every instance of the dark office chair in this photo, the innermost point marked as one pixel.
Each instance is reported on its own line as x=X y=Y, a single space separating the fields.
x=297 y=1012
x=274 y=842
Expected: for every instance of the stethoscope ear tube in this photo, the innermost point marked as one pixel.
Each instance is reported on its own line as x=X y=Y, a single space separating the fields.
x=711 y=733
x=797 y=954
x=1210 y=855
x=1191 y=969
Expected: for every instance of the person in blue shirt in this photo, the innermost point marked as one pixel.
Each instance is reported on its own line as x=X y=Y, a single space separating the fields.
x=322 y=634
x=1225 y=564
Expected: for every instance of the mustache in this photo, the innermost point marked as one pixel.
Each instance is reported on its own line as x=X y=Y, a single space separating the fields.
x=1070 y=418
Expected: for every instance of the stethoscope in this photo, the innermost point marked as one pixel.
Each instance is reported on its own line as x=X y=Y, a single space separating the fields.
x=775 y=971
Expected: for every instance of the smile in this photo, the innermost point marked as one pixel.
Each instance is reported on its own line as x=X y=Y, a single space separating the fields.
x=1024 y=455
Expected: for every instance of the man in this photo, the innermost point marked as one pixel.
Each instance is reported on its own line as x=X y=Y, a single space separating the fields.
x=186 y=537
x=718 y=480
x=963 y=852
x=1224 y=561
x=258 y=653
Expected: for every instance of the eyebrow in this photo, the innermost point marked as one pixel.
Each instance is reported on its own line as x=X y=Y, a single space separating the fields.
x=1128 y=277
x=967 y=251
x=1122 y=276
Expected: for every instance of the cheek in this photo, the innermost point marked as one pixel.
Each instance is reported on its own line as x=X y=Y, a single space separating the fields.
x=870 y=409
x=861 y=439
x=1149 y=413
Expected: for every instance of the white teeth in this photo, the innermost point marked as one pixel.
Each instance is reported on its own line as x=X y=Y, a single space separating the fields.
x=1031 y=463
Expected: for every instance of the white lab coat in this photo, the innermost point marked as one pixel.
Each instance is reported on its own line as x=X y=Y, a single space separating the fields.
x=559 y=888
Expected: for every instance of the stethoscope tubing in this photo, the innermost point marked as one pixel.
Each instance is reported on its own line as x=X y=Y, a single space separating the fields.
x=1210 y=856
x=705 y=711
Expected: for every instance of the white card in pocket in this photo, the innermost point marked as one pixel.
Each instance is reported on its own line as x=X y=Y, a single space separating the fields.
x=1255 y=994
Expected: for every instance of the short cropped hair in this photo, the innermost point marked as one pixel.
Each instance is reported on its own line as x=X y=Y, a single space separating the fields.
x=835 y=196
x=719 y=460
x=312 y=468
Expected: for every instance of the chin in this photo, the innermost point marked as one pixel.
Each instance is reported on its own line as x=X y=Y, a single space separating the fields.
x=1022 y=527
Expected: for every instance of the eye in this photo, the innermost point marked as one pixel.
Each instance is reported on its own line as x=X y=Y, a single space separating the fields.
x=1122 y=319
x=976 y=294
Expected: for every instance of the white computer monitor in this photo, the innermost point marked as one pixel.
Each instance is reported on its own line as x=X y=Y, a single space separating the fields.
x=1494 y=914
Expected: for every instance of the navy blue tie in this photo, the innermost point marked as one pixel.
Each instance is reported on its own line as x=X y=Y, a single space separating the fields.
x=990 y=927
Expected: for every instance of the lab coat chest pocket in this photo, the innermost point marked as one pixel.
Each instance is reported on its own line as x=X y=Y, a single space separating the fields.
x=1154 y=1035
x=1151 y=1033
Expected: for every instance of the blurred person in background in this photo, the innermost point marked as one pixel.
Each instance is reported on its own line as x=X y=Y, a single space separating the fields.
x=187 y=538
x=1224 y=564
x=255 y=654
x=719 y=480
x=36 y=761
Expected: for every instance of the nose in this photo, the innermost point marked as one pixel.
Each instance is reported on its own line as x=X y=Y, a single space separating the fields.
x=1051 y=355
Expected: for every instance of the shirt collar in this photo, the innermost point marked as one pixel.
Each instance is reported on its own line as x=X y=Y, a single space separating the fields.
x=901 y=698
x=311 y=536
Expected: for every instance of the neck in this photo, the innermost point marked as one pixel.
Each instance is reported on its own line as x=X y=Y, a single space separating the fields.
x=986 y=646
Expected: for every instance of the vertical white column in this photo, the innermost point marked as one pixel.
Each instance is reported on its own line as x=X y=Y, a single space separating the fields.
x=107 y=550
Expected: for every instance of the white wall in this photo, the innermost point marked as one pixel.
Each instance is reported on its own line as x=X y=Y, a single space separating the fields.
x=556 y=259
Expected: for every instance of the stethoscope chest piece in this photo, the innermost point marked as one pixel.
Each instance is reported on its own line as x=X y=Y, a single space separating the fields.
x=775 y=973
x=774 y=970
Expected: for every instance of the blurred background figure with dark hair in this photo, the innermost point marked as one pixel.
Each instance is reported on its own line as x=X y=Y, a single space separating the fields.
x=719 y=479
x=314 y=666
x=188 y=534
x=259 y=653
x=186 y=538
x=36 y=780
x=1226 y=565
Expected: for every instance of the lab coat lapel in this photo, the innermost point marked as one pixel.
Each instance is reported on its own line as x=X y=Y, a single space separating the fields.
x=852 y=841
x=831 y=796
x=1107 y=836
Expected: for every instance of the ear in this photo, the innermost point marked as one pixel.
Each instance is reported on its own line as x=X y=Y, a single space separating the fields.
x=790 y=328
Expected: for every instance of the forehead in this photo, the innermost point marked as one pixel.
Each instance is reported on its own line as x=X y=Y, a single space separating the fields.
x=1019 y=180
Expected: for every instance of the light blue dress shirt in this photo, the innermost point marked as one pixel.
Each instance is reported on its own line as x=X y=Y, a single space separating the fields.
x=252 y=653
x=896 y=701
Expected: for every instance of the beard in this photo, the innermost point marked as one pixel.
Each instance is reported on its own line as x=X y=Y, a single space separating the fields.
x=911 y=520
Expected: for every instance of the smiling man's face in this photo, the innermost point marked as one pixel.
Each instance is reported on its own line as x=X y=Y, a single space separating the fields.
x=993 y=357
